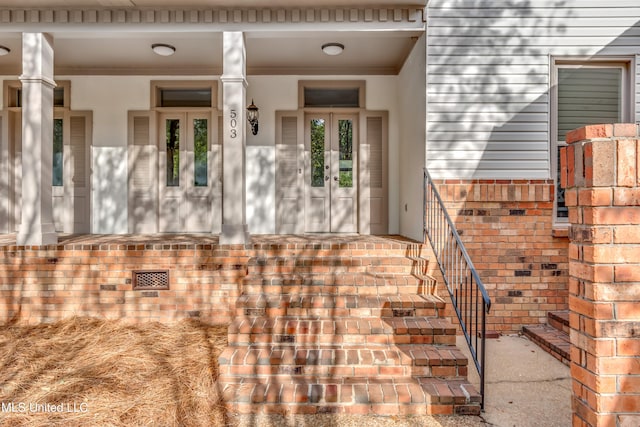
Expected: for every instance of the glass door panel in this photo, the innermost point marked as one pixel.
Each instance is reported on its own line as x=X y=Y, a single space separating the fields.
x=172 y=128
x=345 y=145
x=318 y=131
x=201 y=152
x=58 y=153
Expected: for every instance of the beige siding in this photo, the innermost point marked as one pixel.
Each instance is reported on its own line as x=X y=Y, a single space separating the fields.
x=488 y=78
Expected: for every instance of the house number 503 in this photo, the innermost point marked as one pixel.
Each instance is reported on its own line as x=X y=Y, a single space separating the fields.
x=233 y=123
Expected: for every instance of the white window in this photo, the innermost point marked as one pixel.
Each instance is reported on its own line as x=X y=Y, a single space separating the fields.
x=585 y=93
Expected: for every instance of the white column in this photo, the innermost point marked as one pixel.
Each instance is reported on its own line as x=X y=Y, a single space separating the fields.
x=234 y=196
x=37 y=226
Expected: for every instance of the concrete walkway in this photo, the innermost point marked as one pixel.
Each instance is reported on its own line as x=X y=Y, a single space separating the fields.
x=525 y=386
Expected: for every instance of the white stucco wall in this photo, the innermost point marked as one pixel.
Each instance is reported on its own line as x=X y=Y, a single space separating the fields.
x=412 y=95
x=111 y=97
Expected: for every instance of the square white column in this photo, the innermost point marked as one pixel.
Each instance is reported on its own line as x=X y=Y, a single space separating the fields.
x=37 y=226
x=234 y=196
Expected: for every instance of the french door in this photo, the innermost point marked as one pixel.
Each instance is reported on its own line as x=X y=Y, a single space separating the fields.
x=187 y=184
x=331 y=201
x=70 y=167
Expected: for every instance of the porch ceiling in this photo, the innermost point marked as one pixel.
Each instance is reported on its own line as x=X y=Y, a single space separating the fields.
x=200 y=53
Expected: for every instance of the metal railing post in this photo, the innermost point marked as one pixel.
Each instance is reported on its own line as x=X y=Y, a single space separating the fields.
x=466 y=290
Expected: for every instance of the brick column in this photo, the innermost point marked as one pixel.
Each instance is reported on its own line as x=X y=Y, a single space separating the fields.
x=601 y=174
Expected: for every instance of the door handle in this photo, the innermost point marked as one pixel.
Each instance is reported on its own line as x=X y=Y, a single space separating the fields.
x=335 y=178
x=326 y=178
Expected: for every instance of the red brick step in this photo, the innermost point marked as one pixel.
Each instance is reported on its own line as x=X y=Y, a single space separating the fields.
x=355 y=396
x=287 y=363
x=262 y=304
x=554 y=336
x=296 y=330
x=334 y=284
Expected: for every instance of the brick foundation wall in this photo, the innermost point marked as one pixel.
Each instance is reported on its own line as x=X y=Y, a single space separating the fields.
x=602 y=177
x=45 y=284
x=507 y=228
x=49 y=283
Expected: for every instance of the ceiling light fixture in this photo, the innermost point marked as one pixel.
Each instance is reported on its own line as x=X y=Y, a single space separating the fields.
x=332 y=49
x=163 y=49
x=4 y=50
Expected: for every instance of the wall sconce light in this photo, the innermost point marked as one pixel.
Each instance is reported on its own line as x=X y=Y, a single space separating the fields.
x=4 y=50
x=163 y=49
x=252 y=117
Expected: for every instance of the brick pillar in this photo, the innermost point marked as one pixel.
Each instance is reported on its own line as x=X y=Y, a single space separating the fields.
x=601 y=174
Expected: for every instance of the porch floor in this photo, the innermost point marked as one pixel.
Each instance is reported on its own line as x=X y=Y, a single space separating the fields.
x=257 y=241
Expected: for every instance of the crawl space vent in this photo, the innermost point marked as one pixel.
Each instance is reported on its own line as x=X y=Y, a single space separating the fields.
x=157 y=279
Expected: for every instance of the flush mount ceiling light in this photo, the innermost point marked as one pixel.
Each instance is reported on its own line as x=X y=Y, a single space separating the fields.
x=4 y=50
x=163 y=49
x=333 y=48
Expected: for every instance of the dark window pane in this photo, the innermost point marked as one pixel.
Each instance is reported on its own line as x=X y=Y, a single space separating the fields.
x=58 y=156
x=332 y=97
x=173 y=152
x=561 y=209
x=185 y=98
x=58 y=97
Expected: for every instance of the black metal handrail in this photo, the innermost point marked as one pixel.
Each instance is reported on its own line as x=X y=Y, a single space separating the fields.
x=468 y=295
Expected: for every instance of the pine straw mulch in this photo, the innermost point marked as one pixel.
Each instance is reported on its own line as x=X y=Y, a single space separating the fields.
x=115 y=373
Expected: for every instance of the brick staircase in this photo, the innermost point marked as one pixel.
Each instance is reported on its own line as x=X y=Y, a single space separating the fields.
x=345 y=329
x=554 y=336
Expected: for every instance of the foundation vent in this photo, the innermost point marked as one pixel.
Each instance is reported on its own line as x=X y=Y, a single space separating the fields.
x=156 y=279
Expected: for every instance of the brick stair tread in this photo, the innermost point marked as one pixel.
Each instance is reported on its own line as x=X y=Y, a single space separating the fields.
x=333 y=260
x=315 y=300
x=555 y=342
x=338 y=279
x=290 y=325
x=377 y=395
x=301 y=355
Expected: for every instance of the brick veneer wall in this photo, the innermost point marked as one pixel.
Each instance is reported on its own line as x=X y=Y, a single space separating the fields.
x=49 y=283
x=602 y=176
x=507 y=228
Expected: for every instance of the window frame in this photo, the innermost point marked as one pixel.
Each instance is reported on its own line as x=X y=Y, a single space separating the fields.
x=157 y=86
x=627 y=104
x=332 y=84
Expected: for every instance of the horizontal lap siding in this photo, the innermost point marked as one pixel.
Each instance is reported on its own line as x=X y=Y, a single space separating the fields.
x=488 y=78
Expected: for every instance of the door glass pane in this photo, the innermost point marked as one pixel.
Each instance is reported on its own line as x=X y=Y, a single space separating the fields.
x=57 y=179
x=200 y=145
x=173 y=152
x=345 y=137
x=317 y=152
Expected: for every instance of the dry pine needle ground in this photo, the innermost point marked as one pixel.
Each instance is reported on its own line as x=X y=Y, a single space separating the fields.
x=115 y=373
